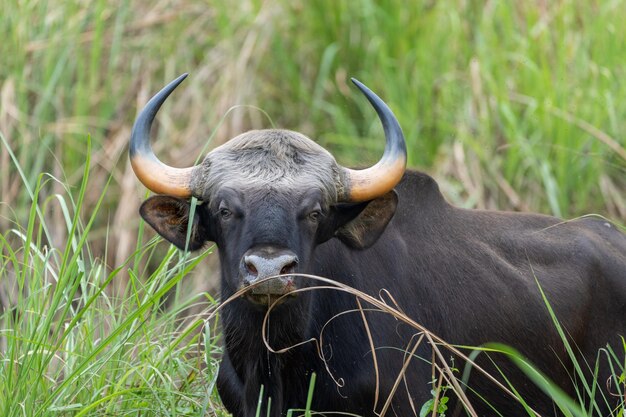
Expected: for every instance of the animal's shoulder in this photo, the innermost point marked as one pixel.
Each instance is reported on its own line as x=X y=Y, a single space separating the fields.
x=423 y=208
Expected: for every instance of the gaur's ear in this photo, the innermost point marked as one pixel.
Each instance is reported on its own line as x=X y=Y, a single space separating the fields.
x=169 y=216
x=366 y=221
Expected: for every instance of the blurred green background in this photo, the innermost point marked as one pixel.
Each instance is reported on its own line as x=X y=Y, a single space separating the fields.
x=511 y=105
x=516 y=105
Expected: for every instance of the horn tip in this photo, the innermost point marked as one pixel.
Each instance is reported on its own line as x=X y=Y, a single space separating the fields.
x=365 y=90
x=357 y=82
x=179 y=79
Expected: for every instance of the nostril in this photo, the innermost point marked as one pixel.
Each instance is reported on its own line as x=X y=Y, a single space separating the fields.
x=251 y=268
x=289 y=268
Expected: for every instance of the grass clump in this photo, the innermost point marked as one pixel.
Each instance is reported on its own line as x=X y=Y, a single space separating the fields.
x=76 y=342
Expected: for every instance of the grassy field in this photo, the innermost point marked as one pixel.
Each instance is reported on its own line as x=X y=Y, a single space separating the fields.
x=510 y=105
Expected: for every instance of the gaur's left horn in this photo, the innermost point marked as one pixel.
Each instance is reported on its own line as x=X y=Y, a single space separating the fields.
x=373 y=182
x=154 y=174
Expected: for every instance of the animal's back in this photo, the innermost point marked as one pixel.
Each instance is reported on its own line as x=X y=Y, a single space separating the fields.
x=474 y=277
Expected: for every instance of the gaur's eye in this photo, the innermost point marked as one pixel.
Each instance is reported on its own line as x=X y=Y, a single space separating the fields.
x=315 y=215
x=225 y=213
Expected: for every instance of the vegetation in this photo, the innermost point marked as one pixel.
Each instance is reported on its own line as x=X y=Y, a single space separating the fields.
x=511 y=105
x=75 y=342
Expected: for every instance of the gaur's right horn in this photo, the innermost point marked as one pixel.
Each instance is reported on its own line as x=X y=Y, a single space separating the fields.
x=154 y=174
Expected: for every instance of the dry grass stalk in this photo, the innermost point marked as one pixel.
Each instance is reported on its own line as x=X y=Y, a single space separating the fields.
x=435 y=342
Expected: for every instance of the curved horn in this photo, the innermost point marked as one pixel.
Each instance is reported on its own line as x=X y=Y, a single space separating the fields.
x=369 y=183
x=154 y=174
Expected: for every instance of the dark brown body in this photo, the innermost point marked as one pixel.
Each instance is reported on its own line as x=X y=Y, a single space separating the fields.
x=469 y=276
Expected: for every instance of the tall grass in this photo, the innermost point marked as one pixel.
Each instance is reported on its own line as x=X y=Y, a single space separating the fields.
x=73 y=343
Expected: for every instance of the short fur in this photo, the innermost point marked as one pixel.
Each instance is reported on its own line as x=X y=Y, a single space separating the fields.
x=281 y=158
x=467 y=275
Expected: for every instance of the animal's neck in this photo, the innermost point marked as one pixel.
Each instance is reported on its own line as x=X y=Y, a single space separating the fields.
x=274 y=368
x=243 y=327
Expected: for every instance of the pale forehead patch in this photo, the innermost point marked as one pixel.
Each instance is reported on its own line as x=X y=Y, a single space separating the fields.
x=269 y=158
x=278 y=140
